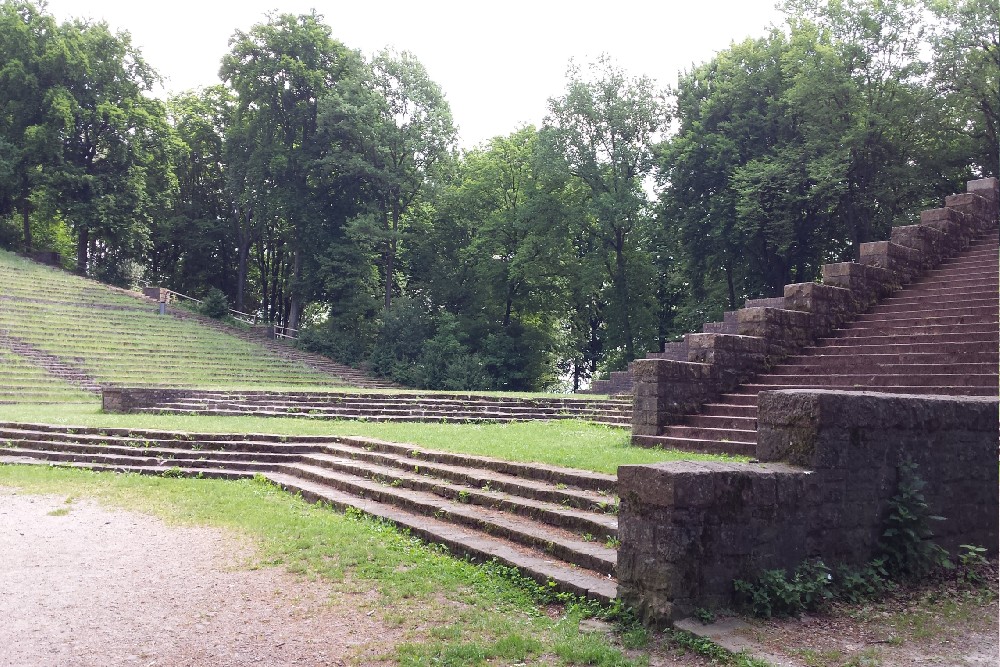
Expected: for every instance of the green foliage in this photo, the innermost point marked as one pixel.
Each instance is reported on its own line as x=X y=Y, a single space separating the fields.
x=215 y=304
x=774 y=594
x=907 y=540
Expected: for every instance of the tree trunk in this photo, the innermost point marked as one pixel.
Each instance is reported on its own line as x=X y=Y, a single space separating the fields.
x=26 y=211
x=243 y=255
x=82 y=248
x=390 y=258
x=621 y=286
x=295 y=298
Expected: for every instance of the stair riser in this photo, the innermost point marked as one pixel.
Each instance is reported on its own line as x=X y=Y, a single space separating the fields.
x=703 y=421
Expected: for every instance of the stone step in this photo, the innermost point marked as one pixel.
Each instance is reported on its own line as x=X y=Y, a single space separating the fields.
x=390 y=407
x=831 y=356
x=935 y=304
x=842 y=365
x=931 y=317
x=912 y=333
x=947 y=390
x=961 y=343
x=462 y=541
x=741 y=423
x=600 y=483
x=444 y=417
x=876 y=380
x=724 y=434
x=692 y=445
x=725 y=409
x=944 y=294
x=559 y=543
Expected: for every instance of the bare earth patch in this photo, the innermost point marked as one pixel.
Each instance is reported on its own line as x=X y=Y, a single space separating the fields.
x=84 y=585
x=945 y=623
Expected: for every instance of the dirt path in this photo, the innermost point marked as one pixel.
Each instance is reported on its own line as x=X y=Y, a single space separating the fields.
x=84 y=585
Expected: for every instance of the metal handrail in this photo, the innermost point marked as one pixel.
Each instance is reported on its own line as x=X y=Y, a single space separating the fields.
x=246 y=318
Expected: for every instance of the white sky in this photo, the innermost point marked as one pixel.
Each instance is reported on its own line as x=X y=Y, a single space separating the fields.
x=498 y=63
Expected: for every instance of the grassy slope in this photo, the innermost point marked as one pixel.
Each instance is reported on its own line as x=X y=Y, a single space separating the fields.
x=569 y=443
x=119 y=339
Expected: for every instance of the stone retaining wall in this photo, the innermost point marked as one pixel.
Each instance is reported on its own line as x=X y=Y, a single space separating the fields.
x=828 y=467
x=667 y=389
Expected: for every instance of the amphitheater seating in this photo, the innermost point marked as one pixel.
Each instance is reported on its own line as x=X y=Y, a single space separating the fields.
x=94 y=335
x=554 y=524
x=392 y=406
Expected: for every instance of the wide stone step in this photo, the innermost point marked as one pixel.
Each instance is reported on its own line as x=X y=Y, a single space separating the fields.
x=753 y=389
x=560 y=543
x=862 y=366
x=462 y=541
x=470 y=418
x=728 y=435
x=939 y=294
x=932 y=316
x=724 y=409
x=601 y=525
x=833 y=356
x=725 y=422
x=876 y=380
x=602 y=484
x=935 y=304
x=910 y=333
x=961 y=343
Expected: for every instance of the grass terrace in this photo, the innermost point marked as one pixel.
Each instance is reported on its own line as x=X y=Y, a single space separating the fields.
x=119 y=339
x=569 y=443
x=23 y=381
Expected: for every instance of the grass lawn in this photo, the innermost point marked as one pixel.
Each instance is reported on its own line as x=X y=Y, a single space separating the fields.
x=570 y=443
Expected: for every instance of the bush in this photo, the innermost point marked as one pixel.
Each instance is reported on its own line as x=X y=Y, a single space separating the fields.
x=215 y=304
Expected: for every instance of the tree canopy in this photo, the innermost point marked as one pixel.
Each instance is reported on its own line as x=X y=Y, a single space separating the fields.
x=324 y=191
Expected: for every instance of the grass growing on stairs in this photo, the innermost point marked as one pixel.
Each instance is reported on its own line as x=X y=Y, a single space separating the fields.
x=449 y=611
x=568 y=443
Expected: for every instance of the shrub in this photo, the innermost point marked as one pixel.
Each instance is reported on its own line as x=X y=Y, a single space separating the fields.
x=215 y=304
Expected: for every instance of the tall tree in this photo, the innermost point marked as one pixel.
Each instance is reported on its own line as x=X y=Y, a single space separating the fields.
x=33 y=103
x=115 y=166
x=278 y=71
x=967 y=73
x=392 y=133
x=603 y=128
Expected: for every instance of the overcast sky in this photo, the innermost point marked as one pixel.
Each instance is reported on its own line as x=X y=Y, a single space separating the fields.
x=497 y=63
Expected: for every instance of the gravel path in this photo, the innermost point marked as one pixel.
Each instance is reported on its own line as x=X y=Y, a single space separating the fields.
x=84 y=585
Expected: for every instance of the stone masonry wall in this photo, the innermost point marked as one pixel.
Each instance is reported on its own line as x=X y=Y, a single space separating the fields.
x=828 y=463
x=667 y=389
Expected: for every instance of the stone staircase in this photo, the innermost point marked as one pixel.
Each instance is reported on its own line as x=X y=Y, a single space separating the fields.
x=370 y=406
x=554 y=524
x=939 y=335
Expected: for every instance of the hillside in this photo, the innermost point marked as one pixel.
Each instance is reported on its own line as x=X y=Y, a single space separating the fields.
x=62 y=337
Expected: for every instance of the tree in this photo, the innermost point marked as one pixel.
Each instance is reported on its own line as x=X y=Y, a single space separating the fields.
x=115 y=168
x=391 y=133
x=33 y=101
x=192 y=241
x=603 y=129
x=278 y=71
x=967 y=73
